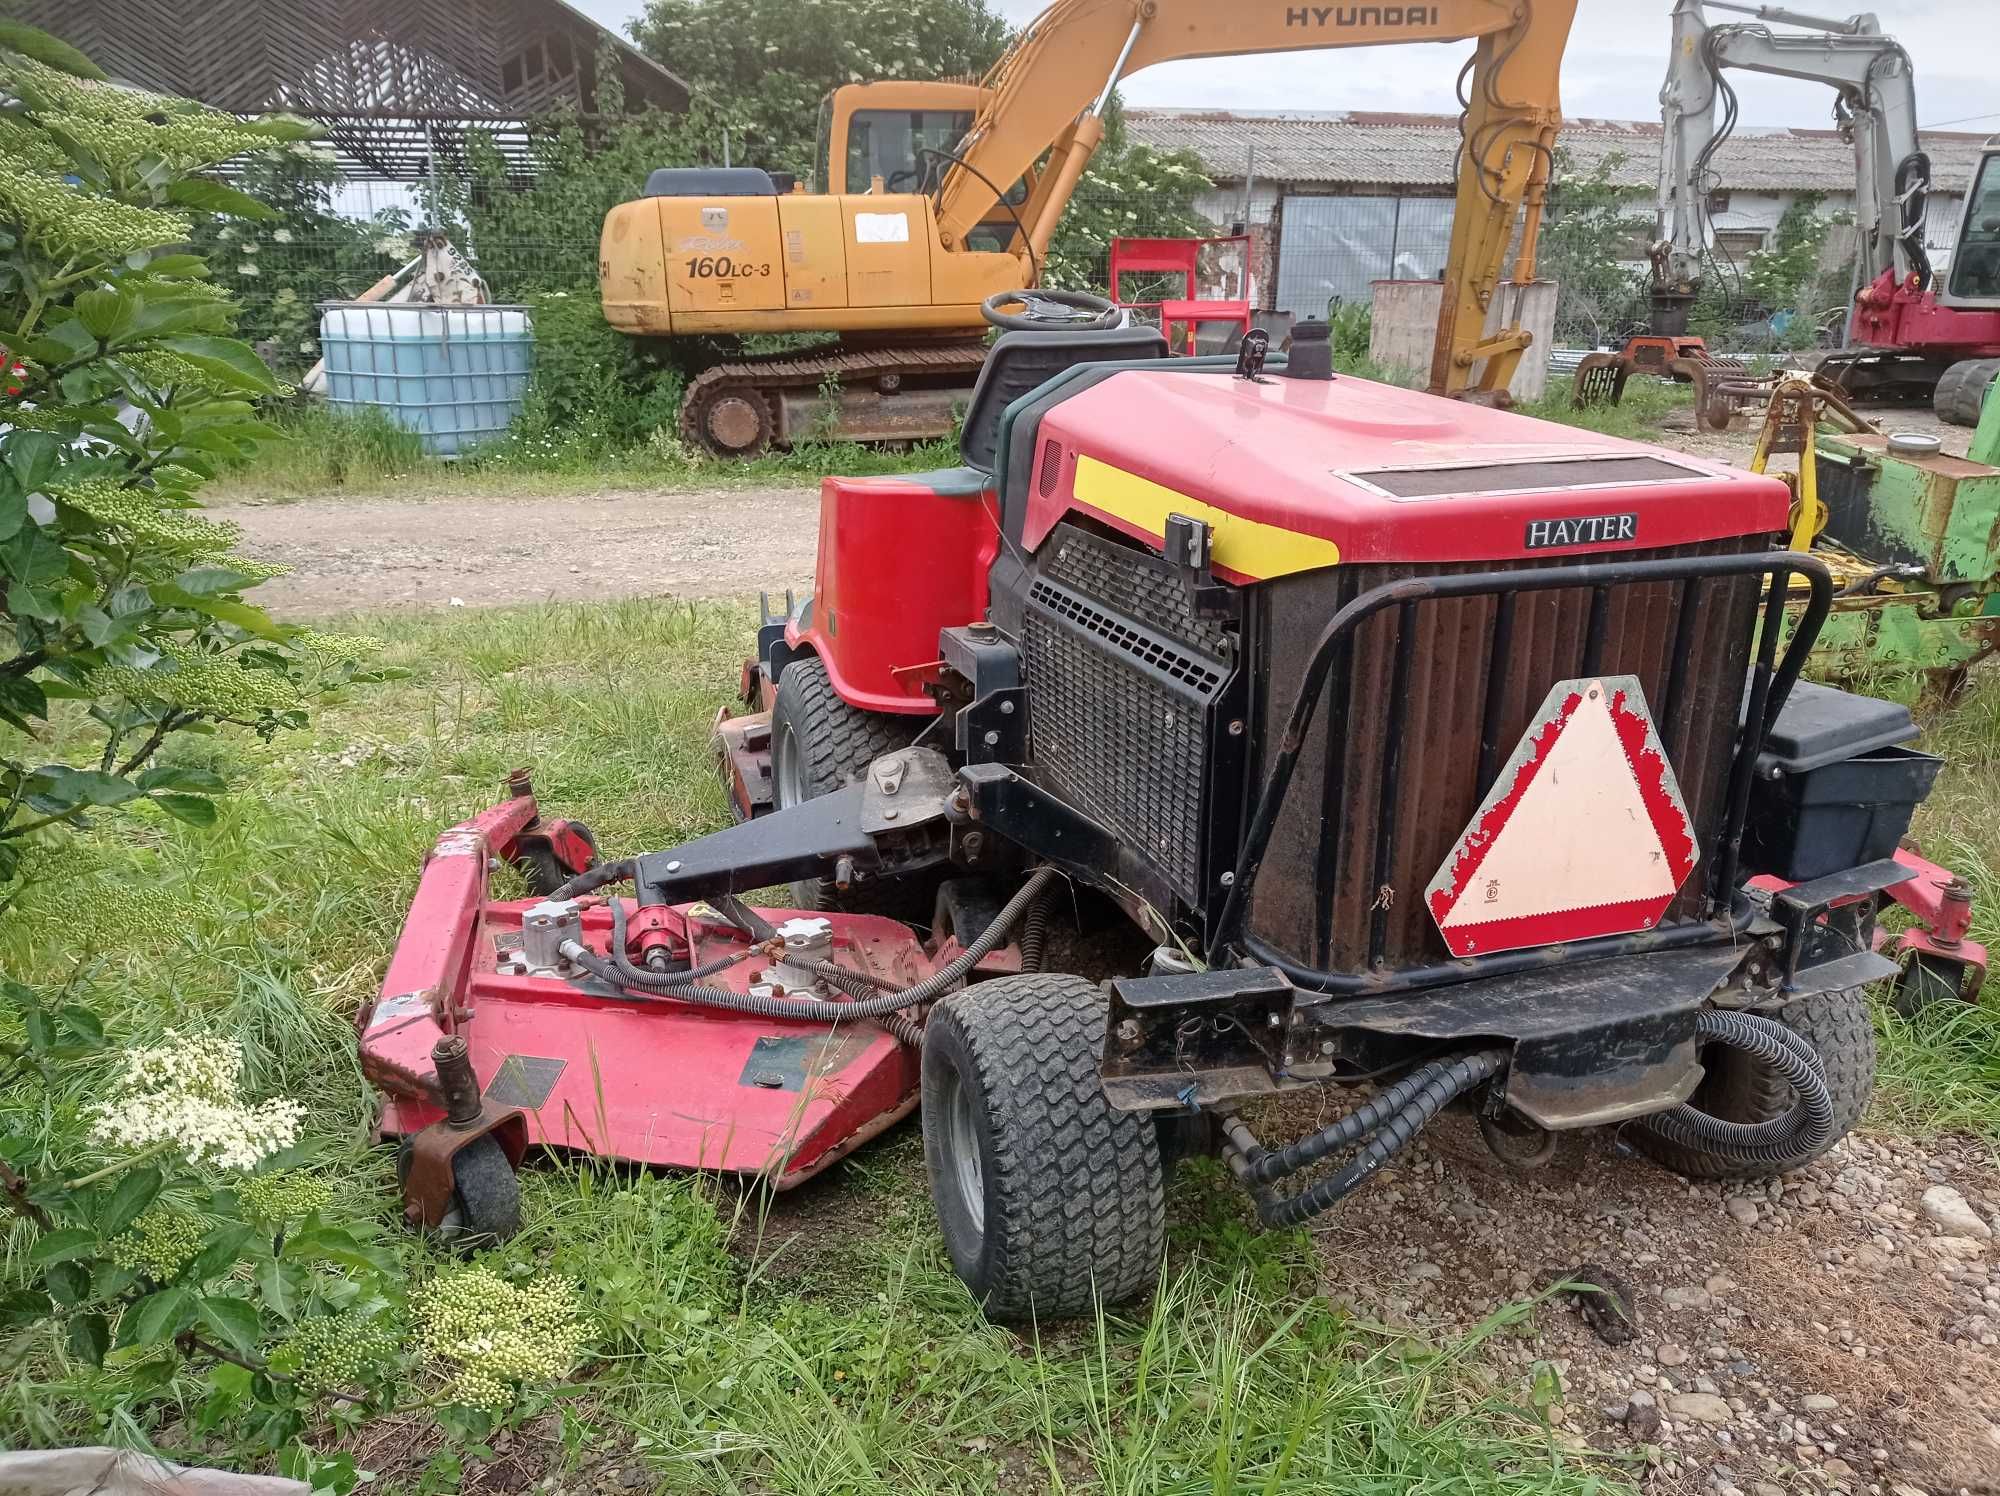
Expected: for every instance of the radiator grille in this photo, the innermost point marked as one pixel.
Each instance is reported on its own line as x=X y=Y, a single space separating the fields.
x=1120 y=706
x=1318 y=898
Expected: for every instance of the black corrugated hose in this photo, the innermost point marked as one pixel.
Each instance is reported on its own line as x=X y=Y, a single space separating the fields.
x=1798 y=1134
x=1035 y=932
x=1388 y=1124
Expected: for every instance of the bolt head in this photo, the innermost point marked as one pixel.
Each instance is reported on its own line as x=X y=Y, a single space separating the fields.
x=1229 y=880
x=1006 y=708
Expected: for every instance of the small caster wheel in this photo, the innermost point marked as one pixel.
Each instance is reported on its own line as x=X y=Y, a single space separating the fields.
x=544 y=871
x=485 y=1196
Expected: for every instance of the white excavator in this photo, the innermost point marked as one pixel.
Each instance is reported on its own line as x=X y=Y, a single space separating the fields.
x=1875 y=108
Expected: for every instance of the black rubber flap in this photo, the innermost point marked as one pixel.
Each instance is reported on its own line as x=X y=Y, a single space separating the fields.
x=1821 y=725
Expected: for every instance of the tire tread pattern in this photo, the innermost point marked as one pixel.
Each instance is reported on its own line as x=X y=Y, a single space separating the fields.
x=1078 y=1185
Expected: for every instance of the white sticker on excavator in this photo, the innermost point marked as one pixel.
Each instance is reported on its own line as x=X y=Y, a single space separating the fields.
x=881 y=228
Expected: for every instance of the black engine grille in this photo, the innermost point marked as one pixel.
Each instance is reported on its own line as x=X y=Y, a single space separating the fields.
x=1319 y=899
x=1124 y=677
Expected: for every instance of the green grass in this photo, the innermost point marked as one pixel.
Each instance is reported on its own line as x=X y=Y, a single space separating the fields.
x=730 y=1359
x=329 y=454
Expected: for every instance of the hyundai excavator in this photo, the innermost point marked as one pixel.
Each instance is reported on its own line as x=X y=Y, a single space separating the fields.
x=937 y=202
x=1907 y=330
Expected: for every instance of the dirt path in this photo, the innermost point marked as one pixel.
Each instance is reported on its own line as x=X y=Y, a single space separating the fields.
x=365 y=555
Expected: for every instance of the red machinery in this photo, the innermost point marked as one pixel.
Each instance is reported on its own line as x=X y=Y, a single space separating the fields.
x=1424 y=742
x=1182 y=317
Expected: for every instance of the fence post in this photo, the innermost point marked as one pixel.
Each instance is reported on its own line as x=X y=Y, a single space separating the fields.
x=1395 y=232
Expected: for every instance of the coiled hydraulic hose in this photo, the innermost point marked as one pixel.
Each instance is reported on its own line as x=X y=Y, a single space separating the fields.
x=1035 y=932
x=1388 y=1124
x=620 y=972
x=1797 y=1135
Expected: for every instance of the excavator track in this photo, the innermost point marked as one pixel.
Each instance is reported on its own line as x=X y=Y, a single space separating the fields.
x=873 y=392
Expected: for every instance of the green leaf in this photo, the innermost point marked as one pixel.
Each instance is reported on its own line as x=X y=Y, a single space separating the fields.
x=68 y=1283
x=63 y=1246
x=83 y=1023
x=277 y=1287
x=32 y=557
x=21 y=698
x=110 y=1280
x=335 y=1244
x=213 y=197
x=207 y=581
x=225 y=1245
x=32 y=457
x=89 y=1338
x=23 y=1306
x=134 y=1193
x=285 y=127
x=178 y=267
x=245 y=616
x=182 y=777
x=13 y=511
x=192 y=809
x=47 y=49
x=90 y=787
x=233 y=363
x=158 y=1318
x=234 y=1322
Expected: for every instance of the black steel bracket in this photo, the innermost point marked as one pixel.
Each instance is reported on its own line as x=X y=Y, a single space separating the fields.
x=994 y=729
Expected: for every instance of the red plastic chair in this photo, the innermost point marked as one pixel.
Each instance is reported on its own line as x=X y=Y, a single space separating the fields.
x=1182 y=257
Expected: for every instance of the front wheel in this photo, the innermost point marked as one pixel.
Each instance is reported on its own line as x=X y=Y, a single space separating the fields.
x=485 y=1204
x=1051 y=1200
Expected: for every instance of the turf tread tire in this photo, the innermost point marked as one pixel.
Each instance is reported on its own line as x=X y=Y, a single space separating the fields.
x=1739 y=1088
x=837 y=742
x=1961 y=391
x=1074 y=1190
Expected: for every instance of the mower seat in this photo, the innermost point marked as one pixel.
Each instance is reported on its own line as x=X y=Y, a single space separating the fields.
x=1021 y=362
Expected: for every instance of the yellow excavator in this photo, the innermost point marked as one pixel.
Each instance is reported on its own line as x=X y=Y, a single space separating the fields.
x=936 y=203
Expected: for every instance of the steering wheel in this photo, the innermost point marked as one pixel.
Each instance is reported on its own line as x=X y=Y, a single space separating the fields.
x=1051 y=311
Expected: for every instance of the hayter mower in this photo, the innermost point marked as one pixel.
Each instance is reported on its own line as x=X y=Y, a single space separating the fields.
x=1425 y=743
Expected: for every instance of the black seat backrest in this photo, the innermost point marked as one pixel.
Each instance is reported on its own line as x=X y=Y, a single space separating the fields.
x=710 y=181
x=1023 y=361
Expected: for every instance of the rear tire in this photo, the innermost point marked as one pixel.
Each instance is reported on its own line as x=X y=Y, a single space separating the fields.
x=820 y=743
x=1961 y=392
x=1740 y=1088
x=1051 y=1201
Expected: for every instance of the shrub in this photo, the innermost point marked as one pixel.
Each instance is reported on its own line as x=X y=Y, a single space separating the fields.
x=125 y=394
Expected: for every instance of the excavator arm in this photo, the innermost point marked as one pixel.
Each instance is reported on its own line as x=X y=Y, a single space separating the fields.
x=1046 y=98
x=1876 y=104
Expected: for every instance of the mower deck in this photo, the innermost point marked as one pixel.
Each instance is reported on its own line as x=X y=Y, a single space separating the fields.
x=650 y=1080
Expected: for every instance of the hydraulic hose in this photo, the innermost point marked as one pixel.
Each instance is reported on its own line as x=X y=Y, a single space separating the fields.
x=1389 y=1124
x=620 y=972
x=1797 y=1135
x=1035 y=933
x=592 y=879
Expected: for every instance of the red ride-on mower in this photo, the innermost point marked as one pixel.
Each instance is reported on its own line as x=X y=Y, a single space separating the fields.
x=1426 y=744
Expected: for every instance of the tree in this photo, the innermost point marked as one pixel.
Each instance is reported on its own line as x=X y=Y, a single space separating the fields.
x=763 y=66
x=1129 y=189
x=124 y=393
x=1593 y=230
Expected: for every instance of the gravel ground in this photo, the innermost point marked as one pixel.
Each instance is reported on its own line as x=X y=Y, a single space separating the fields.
x=366 y=554
x=1833 y=1330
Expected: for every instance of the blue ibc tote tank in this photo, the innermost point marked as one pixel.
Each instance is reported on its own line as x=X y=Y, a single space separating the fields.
x=455 y=375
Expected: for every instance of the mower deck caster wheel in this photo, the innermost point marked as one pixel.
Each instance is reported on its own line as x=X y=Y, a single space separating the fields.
x=485 y=1197
x=1051 y=1201
x=543 y=871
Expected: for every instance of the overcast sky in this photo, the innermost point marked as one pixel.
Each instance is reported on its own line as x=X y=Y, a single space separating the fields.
x=1617 y=54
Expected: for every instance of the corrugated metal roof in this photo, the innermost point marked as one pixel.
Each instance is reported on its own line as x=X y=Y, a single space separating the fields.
x=1420 y=150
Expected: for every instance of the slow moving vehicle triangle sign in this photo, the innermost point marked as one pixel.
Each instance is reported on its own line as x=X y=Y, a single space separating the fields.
x=1584 y=832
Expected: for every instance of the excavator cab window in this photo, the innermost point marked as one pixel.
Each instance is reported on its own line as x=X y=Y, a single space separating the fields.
x=886 y=143
x=1975 y=264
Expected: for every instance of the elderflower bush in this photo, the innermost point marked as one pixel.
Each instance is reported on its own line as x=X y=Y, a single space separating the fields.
x=186 y=1095
x=493 y=1336
x=125 y=393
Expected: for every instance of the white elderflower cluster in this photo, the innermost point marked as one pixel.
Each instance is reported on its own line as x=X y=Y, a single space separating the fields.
x=187 y=1093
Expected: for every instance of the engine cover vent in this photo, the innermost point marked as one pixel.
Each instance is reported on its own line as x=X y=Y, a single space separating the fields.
x=1520 y=477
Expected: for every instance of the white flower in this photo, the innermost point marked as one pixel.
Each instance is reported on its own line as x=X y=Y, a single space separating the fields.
x=187 y=1092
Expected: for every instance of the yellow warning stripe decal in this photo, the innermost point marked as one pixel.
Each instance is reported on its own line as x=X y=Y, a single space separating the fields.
x=1247 y=547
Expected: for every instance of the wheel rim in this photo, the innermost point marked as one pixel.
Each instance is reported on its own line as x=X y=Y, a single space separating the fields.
x=786 y=785
x=962 y=1144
